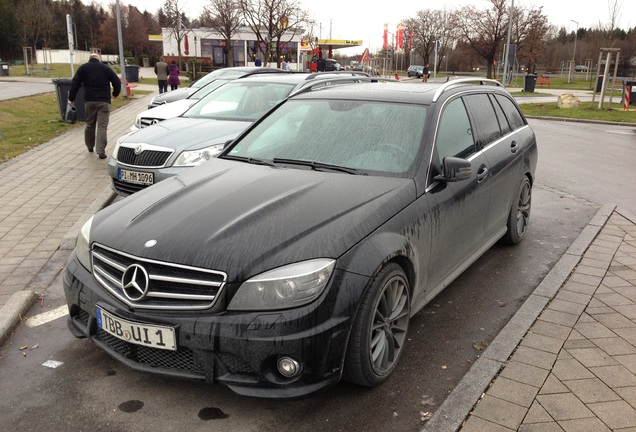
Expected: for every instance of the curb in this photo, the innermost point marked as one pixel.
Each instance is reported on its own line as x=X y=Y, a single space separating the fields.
x=460 y=402
x=11 y=313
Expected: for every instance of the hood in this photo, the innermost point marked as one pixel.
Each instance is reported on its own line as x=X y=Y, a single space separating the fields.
x=169 y=110
x=181 y=133
x=244 y=219
x=174 y=95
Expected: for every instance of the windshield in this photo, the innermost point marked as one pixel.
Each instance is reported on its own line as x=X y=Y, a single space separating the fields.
x=240 y=100
x=207 y=89
x=368 y=136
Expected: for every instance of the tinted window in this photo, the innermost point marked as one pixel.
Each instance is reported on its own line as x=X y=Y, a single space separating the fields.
x=503 y=121
x=512 y=113
x=455 y=135
x=486 y=121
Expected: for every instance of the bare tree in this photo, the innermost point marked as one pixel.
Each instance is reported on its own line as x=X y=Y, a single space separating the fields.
x=224 y=16
x=35 y=18
x=430 y=27
x=485 y=30
x=530 y=28
x=614 y=7
x=274 y=22
x=176 y=21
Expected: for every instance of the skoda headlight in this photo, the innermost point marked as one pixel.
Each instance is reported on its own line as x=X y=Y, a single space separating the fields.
x=118 y=144
x=82 y=248
x=285 y=287
x=197 y=157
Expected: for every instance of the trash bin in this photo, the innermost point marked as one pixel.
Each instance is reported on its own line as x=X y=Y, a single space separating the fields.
x=4 y=68
x=632 y=92
x=132 y=73
x=529 y=83
x=62 y=88
x=599 y=83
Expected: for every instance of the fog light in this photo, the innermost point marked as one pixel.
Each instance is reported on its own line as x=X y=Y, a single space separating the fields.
x=288 y=367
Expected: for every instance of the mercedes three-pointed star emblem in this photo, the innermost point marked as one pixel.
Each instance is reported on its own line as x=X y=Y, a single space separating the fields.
x=134 y=282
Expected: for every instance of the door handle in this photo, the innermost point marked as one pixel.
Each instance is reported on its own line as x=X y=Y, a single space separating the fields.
x=514 y=146
x=482 y=173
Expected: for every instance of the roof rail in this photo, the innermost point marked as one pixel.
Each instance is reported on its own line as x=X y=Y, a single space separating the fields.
x=480 y=81
x=341 y=73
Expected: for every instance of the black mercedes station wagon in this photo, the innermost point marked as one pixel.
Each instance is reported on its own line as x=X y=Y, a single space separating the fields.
x=297 y=257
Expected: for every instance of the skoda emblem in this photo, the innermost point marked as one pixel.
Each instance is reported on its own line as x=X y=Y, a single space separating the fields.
x=154 y=121
x=134 y=282
x=150 y=243
x=138 y=150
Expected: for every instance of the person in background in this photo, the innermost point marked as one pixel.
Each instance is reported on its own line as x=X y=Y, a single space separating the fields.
x=258 y=62
x=426 y=73
x=97 y=79
x=162 y=71
x=173 y=76
x=283 y=64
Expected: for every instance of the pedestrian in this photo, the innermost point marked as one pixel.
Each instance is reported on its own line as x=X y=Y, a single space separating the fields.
x=283 y=64
x=96 y=78
x=258 y=62
x=426 y=73
x=173 y=76
x=162 y=71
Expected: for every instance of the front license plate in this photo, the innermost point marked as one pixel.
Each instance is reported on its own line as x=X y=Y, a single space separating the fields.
x=137 y=177
x=140 y=334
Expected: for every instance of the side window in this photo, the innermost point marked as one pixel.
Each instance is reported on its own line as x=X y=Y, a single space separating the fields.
x=512 y=112
x=503 y=121
x=455 y=135
x=487 y=125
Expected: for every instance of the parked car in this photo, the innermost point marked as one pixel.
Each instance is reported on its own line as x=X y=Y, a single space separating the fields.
x=415 y=71
x=580 y=68
x=294 y=259
x=228 y=73
x=165 y=148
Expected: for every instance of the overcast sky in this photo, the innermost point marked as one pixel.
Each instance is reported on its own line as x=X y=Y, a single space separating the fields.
x=346 y=19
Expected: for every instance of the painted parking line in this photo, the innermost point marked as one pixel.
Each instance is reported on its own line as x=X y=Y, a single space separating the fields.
x=47 y=317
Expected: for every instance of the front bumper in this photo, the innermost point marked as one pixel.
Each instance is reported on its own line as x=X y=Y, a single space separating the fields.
x=240 y=350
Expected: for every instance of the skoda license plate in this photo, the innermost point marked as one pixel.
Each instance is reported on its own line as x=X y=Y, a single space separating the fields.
x=136 y=333
x=137 y=177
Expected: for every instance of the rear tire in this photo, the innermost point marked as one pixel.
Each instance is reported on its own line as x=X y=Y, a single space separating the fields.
x=380 y=328
x=519 y=216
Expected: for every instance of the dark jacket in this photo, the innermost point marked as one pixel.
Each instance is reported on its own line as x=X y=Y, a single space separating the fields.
x=173 y=77
x=96 y=78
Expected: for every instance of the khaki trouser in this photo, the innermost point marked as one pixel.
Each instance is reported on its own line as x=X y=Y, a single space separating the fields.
x=95 y=134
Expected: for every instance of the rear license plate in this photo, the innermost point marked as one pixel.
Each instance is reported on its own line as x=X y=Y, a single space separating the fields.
x=154 y=336
x=137 y=177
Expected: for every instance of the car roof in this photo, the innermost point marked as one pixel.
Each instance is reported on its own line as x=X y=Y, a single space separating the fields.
x=395 y=91
x=299 y=78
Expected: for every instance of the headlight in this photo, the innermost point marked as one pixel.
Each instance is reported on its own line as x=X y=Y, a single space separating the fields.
x=82 y=248
x=116 y=150
x=137 y=123
x=197 y=157
x=285 y=287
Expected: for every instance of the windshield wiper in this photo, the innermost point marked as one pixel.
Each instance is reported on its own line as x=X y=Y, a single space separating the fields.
x=316 y=165
x=248 y=160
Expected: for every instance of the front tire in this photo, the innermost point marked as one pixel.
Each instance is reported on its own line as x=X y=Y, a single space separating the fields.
x=380 y=328
x=519 y=215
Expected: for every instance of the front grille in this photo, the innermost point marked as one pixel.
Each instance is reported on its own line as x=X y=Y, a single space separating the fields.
x=127 y=188
x=157 y=285
x=182 y=359
x=146 y=158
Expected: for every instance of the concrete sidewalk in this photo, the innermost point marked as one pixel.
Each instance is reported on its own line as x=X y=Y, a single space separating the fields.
x=567 y=360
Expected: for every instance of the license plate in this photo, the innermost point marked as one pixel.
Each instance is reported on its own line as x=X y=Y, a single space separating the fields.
x=137 y=177
x=154 y=336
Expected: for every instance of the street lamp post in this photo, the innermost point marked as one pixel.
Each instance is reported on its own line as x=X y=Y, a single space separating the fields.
x=576 y=34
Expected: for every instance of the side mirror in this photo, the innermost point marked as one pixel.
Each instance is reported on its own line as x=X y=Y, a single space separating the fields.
x=227 y=143
x=455 y=169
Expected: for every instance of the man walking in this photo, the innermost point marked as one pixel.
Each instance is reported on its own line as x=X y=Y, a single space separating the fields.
x=96 y=78
x=162 y=71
